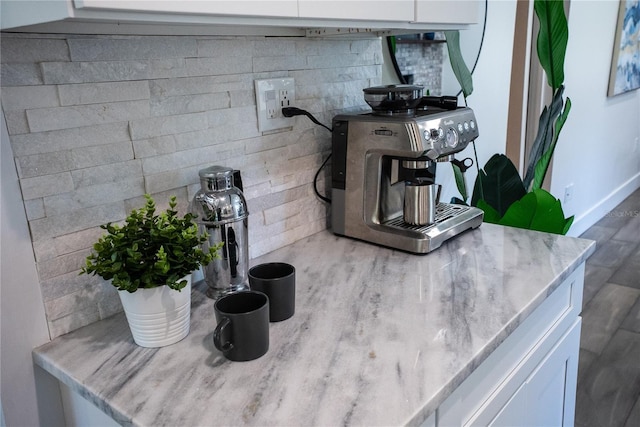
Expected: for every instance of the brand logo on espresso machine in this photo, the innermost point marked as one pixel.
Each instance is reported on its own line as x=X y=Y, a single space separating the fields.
x=382 y=132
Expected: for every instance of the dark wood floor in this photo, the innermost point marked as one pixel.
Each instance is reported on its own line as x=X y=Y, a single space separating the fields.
x=608 y=392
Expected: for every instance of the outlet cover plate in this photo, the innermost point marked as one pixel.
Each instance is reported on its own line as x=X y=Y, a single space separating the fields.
x=568 y=194
x=269 y=105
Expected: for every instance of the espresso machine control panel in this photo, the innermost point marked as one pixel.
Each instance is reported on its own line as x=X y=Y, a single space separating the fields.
x=450 y=133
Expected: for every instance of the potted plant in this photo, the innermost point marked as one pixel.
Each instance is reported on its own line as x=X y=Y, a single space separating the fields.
x=149 y=259
x=499 y=191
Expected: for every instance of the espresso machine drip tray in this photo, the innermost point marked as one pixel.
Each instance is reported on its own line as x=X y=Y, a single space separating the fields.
x=450 y=221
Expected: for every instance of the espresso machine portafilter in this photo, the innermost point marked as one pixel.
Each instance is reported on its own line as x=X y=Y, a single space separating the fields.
x=384 y=187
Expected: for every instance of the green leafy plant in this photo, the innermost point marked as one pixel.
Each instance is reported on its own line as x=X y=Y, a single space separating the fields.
x=150 y=249
x=499 y=190
x=551 y=47
x=459 y=67
x=498 y=184
x=536 y=210
x=506 y=202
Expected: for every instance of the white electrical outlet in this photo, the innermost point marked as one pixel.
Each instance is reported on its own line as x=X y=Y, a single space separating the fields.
x=284 y=98
x=271 y=96
x=272 y=104
x=568 y=193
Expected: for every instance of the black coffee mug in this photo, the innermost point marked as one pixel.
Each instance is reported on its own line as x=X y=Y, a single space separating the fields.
x=278 y=281
x=242 y=332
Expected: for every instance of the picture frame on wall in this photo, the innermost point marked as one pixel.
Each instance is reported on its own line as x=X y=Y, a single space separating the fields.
x=625 y=63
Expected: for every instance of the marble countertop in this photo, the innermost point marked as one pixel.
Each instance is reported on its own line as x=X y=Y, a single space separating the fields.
x=379 y=337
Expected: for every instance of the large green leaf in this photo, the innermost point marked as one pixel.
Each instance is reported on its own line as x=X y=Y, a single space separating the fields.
x=567 y=224
x=460 y=182
x=552 y=39
x=543 y=164
x=498 y=184
x=392 y=43
x=521 y=212
x=544 y=137
x=490 y=215
x=552 y=46
x=460 y=70
x=537 y=210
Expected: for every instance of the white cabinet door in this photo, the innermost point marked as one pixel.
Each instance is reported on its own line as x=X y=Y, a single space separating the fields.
x=512 y=413
x=284 y=8
x=551 y=389
x=547 y=396
x=447 y=11
x=374 y=10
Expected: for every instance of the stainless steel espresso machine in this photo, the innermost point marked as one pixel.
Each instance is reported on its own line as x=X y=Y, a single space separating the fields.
x=384 y=167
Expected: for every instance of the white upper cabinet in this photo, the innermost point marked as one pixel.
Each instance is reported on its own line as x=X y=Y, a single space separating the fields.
x=283 y=8
x=235 y=17
x=447 y=11
x=374 y=10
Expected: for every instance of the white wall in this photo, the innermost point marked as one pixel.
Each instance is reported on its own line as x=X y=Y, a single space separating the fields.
x=491 y=81
x=598 y=150
x=23 y=323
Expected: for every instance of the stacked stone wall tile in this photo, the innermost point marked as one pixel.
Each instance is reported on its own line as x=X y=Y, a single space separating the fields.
x=95 y=122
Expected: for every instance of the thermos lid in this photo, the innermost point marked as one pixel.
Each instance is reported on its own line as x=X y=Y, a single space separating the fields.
x=215 y=171
x=217 y=177
x=218 y=200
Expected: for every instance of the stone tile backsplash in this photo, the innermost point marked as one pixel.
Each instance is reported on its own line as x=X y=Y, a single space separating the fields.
x=95 y=122
x=422 y=60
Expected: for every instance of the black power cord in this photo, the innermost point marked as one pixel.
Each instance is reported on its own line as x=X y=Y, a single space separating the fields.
x=294 y=111
x=394 y=61
x=484 y=30
x=315 y=181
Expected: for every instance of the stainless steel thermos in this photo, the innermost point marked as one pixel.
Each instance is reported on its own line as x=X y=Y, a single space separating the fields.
x=221 y=211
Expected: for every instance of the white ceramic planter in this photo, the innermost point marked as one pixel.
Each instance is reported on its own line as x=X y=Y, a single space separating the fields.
x=158 y=316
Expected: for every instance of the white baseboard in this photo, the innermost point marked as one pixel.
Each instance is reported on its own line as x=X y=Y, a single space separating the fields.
x=593 y=215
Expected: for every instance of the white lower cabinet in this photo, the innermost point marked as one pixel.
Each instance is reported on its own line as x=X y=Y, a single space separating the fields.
x=542 y=398
x=79 y=412
x=530 y=379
